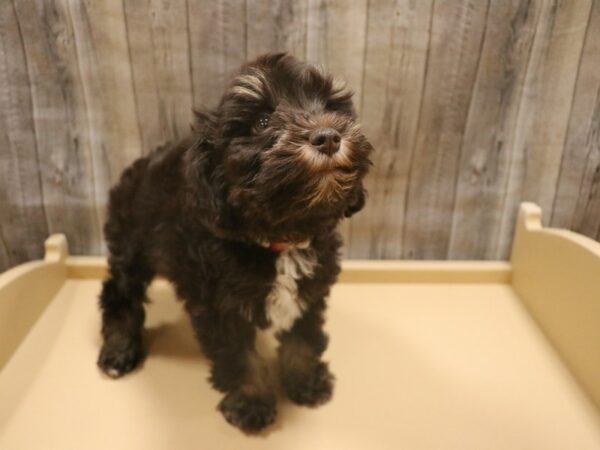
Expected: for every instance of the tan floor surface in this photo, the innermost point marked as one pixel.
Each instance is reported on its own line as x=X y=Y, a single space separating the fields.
x=429 y=366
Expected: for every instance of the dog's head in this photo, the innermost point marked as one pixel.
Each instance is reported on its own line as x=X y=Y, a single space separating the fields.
x=286 y=154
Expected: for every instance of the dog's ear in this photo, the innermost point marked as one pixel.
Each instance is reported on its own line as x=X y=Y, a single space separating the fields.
x=357 y=201
x=204 y=124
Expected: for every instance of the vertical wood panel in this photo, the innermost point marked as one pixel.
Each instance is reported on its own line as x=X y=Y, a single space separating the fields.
x=336 y=39
x=158 y=47
x=276 y=26
x=60 y=116
x=397 y=39
x=5 y=260
x=577 y=203
x=539 y=136
x=105 y=70
x=217 y=45
x=316 y=23
x=455 y=46
x=346 y=37
x=23 y=224
x=484 y=164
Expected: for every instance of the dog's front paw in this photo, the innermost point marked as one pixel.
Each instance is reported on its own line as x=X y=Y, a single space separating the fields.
x=250 y=413
x=312 y=388
x=118 y=361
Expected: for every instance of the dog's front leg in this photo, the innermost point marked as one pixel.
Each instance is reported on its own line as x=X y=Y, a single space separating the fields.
x=305 y=378
x=237 y=369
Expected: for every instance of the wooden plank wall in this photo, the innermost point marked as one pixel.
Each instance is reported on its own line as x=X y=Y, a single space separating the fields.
x=472 y=105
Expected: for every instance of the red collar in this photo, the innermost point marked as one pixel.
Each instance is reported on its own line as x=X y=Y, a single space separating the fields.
x=279 y=247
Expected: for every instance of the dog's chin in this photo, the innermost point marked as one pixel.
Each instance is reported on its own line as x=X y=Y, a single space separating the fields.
x=320 y=204
x=329 y=190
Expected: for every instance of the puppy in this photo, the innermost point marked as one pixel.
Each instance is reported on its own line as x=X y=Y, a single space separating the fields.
x=241 y=217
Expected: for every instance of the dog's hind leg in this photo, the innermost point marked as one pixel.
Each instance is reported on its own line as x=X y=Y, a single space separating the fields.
x=122 y=305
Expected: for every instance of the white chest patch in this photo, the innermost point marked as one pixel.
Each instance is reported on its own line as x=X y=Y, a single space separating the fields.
x=284 y=305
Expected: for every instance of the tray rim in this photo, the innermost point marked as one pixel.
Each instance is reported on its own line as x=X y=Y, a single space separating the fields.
x=569 y=324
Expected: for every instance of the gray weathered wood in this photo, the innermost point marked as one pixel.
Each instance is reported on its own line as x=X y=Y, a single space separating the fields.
x=577 y=201
x=543 y=111
x=217 y=46
x=159 y=50
x=392 y=90
x=5 y=259
x=103 y=61
x=276 y=26
x=336 y=39
x=485 y=150
x=23 y=223
x=347 y=44
x=453 y=57
x=60 y=117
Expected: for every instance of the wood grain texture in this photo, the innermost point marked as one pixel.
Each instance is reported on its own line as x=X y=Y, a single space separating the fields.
x=157 y=34
x=336 y=39
x=346 y=49
x=538 y=140
x=454 y=54
x=23 y=223
x=60 y=122
x=217 y=31
x=577 y=201
x=472 y=106
x=484 y=163
x=392 y=92
x=276 y=26
x=5 y=260
x=103 y=63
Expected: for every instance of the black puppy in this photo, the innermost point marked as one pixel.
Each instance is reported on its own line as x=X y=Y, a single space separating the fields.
x=241 y=217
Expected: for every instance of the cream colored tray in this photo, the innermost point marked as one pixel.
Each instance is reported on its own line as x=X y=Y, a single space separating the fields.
x=428 y=355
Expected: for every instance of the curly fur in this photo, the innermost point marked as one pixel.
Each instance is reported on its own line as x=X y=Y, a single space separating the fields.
x=197 y=211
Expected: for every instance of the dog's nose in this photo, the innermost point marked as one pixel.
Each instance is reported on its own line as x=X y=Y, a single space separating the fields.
x=326 y=140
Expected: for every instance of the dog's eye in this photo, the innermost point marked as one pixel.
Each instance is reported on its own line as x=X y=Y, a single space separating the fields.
x=263 y=122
